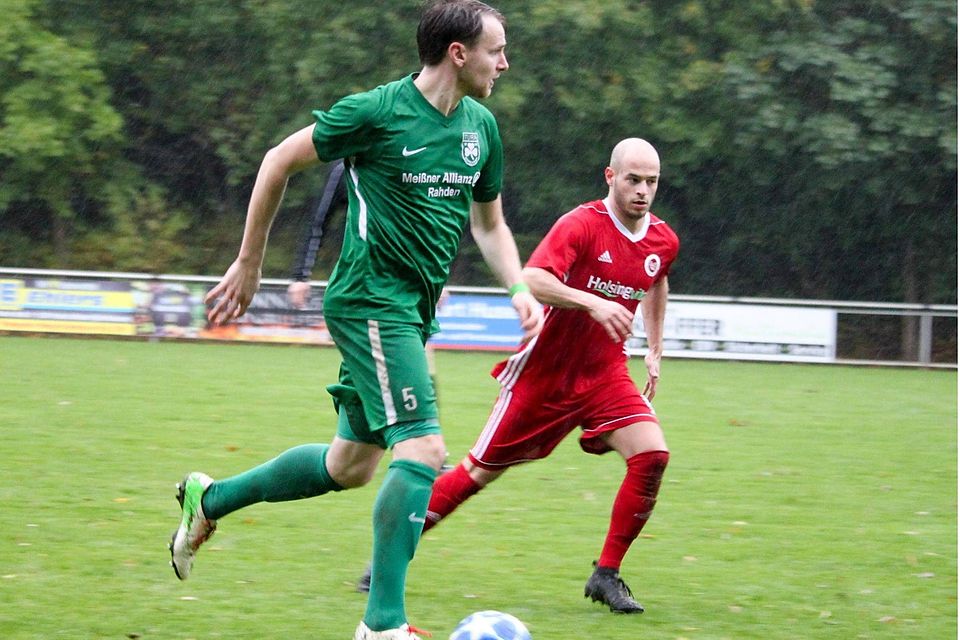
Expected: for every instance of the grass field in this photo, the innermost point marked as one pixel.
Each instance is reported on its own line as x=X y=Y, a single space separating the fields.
x=801 y=502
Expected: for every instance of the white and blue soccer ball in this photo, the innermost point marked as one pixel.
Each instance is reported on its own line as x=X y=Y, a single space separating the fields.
x=490 y=625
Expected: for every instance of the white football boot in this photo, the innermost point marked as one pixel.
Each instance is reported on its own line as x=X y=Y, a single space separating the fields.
x=195 y=528
x=403 y=632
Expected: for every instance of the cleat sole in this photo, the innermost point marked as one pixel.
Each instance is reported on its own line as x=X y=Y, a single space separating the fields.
x=172 y=563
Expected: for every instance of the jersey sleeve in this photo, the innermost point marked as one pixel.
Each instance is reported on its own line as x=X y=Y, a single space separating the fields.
x=490 y=183
x=673 y=242
x=349 y=127
x=560 y=247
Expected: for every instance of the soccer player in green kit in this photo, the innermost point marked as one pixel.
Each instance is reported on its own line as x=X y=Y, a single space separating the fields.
x=423 y=158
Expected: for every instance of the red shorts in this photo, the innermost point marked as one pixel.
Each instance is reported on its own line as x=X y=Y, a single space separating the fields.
x=529 y=421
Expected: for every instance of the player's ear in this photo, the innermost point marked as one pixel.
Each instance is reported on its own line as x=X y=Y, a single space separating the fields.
x=608 y=173
x=457 y=52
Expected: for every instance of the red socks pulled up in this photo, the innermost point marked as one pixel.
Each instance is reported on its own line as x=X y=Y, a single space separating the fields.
x=631 y=508
x=633 y=505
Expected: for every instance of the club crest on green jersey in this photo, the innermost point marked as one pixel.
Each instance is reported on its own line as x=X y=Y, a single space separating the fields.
x=470 y=148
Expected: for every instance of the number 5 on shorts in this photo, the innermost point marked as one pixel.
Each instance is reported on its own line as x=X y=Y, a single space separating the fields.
x=409 y=399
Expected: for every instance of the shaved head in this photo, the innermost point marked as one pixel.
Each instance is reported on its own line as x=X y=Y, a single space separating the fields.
x=634 y=150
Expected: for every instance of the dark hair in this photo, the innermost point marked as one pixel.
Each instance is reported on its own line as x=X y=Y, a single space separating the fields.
x=449 y=21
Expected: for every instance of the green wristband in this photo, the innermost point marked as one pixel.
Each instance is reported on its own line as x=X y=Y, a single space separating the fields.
x=517 y=288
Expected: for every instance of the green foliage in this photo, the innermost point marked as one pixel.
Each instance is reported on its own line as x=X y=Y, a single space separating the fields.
x=851 y=119
x=836 y=157
x=57 y=127
x=809 y=148
x=148 y=238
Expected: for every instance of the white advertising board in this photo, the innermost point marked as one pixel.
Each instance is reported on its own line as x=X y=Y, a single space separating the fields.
x=744 y=332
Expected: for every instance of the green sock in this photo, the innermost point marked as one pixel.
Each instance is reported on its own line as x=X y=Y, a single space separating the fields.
x=297 y=473
x=398 y=516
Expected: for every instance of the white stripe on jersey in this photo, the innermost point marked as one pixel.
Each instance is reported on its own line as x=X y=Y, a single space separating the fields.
x=383 y=377
x=514 y=367
x=362 y=213
x=503 y=403
x=516 y=362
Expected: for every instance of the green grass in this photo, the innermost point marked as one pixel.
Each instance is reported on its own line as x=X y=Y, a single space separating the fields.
x=801 y=502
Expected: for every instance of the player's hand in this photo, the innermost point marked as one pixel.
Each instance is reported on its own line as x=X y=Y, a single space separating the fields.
x=233 y=293
x=615 y=319
x=298 y=293
x=531 y=314
x=653 y=375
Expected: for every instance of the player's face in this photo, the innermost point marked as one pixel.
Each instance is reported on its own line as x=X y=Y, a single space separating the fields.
x=633 y=185
x=485 y=61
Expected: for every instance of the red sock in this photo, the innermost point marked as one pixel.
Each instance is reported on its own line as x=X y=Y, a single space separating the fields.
x=633 y=505
x=449 y=491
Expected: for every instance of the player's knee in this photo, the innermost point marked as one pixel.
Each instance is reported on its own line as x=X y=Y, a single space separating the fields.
x=352 y=464
x=429 y=450
x=353 y=472
x=434 y=454
x=355 y=476
x=481 y=476
x=636 y=438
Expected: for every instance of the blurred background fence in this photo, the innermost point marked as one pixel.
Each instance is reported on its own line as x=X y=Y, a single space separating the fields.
x=481 y=318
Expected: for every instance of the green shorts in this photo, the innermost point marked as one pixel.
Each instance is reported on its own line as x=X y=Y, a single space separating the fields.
x=385 y=394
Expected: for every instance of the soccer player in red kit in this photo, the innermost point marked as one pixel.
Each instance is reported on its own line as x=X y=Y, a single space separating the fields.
x=595 y=266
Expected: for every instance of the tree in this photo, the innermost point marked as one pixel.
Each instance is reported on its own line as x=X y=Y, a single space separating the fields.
x=809 y=148
x=853 y=106
x=57 y=128
x=206 y=89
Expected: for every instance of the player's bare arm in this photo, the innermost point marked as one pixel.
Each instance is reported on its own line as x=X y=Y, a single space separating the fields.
x=242 y=280
x=615 y=319
x=653 y=309
x=499 y=250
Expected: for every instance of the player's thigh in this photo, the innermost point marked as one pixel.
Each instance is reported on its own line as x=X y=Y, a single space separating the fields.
x=388 y=367
x=618 y=417
x=636 y=438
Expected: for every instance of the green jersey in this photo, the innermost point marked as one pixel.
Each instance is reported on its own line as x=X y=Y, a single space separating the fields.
x=412 y=174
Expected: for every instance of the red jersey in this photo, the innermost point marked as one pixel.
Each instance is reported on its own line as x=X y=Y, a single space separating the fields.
x=591 y=250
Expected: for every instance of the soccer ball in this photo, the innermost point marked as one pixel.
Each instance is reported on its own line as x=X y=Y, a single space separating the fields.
x=490 y=625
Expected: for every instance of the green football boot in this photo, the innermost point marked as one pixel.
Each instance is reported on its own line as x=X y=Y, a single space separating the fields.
x=195 y=528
